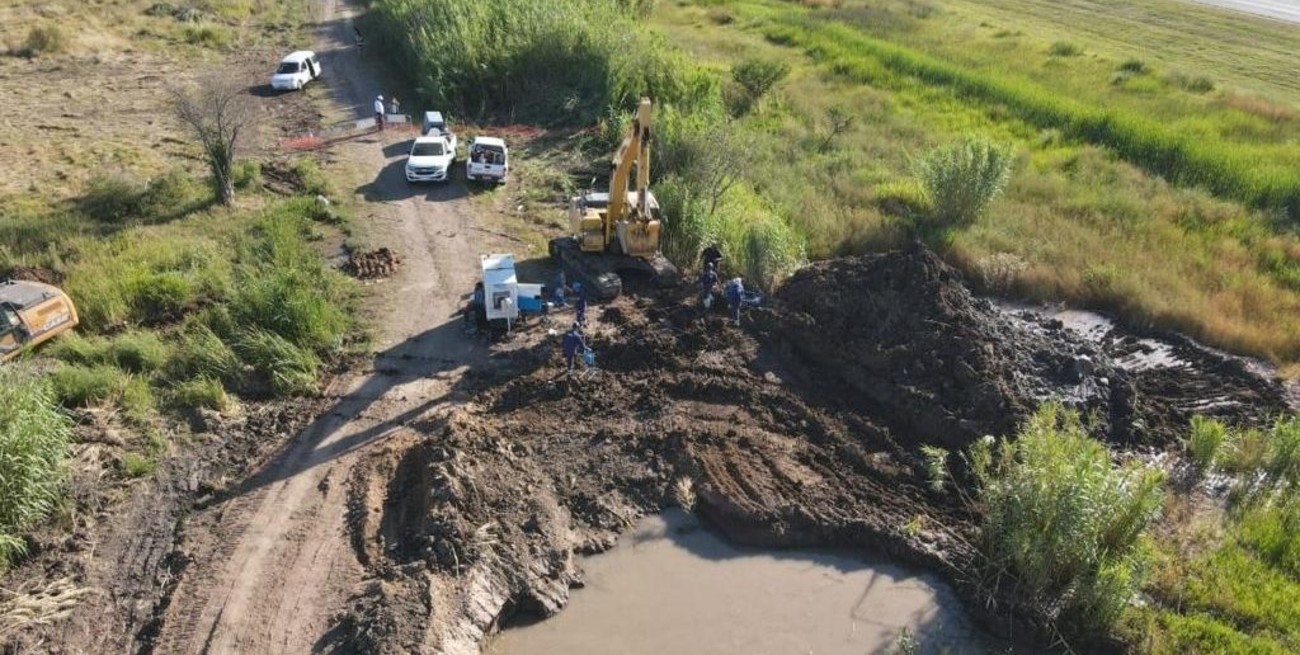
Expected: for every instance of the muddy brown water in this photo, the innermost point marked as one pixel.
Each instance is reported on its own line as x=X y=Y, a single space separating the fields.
x=671 y=586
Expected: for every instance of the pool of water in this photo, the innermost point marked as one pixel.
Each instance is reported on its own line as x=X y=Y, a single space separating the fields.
x=672 y=587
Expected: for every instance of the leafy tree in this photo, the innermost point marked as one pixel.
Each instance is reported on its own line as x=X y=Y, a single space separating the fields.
x=758 y=76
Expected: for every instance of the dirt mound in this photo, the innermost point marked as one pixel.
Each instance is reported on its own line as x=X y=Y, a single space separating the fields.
x=37 y=273
x=898 y=336
x=372 y=264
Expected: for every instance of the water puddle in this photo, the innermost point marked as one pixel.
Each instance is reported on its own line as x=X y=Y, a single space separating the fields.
x=672 y=587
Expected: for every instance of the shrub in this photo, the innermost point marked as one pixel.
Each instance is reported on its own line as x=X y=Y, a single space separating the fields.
x=114 y=197
x=34 y=443
x=200 y=353
x=1064 y=49
x=136 y=465
x=758 y=76
x=902 y=199
x=74 y=348
x=139 y=352
x=998 y=272
x=1273 y=532
x=88 y=386
x=247 y=175
x=284 y=301
x=160 y=9
x=1205 y=442
x=136 y=352
x=1267 y=463
x=160 y=298
x=772 y=250
x=311 y=179
x=283 y=367
x=1063 y=528
x=960 y=181
x=169 y=195
x=683 y=237
x=207 y=36
x=201 y=393
x=1200 y=84
x=1134 y=66
x=44 y=40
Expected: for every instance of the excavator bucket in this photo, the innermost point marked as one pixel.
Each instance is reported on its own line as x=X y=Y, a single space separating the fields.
x=32 y=313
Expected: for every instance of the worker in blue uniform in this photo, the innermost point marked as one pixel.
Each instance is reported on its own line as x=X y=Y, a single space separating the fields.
x=735 y=293
x=708 y=280
x=579 y=303
x=572 y=345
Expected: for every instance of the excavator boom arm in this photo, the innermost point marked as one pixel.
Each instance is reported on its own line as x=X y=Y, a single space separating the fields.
x=634 y=151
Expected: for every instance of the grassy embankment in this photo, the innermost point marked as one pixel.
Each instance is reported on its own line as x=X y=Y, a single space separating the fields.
x=1090 y=215
x=1227 y=580
x=184 y=306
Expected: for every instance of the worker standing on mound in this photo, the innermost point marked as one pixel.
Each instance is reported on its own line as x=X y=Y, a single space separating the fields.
x=571 y=345
x=579 y=304
x=708 y=280
x=379 y=112
x=561 y=286
x=712 y=255
x=735 y=292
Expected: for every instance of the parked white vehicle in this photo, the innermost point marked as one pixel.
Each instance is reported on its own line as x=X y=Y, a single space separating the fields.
x=489 y=160
x=296 y=70
x=430 y=159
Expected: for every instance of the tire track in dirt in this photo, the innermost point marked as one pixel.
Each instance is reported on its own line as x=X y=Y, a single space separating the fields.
x=271 y=565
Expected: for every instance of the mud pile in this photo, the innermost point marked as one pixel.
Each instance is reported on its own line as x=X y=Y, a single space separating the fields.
x=898 y=336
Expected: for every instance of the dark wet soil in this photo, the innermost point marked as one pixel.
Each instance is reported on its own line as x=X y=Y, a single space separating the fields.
x=800 y=428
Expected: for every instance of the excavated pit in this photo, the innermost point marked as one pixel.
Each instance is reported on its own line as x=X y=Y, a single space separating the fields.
x=800 y=429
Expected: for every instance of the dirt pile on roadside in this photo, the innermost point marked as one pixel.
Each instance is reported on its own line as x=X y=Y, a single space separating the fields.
x=372 y=264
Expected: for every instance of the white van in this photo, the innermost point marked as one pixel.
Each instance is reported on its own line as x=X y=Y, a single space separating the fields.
x=489 y=160
x=295 y=71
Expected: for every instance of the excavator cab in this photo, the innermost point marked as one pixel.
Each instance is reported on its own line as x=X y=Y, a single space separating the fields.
x=625 y=220
x=638 y=238
x=32 y=313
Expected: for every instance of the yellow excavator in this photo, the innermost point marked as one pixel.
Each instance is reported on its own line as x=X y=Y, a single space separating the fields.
x=32 y=313
x=619 y=230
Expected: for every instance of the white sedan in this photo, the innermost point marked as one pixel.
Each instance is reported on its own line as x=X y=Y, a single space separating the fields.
x=430 y=160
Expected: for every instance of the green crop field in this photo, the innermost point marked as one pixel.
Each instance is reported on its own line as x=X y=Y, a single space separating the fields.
x=1157 y=177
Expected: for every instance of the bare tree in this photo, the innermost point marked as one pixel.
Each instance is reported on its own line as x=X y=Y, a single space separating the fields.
x=219 y=111
x=721 y=163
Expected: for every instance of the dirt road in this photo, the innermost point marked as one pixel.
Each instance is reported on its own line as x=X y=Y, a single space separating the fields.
x=270 y=565
x=1283 y=10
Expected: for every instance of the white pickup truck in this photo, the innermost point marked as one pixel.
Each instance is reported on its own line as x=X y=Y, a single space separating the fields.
x=489 y=160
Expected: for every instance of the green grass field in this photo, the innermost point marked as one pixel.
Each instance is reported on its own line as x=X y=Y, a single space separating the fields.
x=184 y=306
x=1136 y=188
